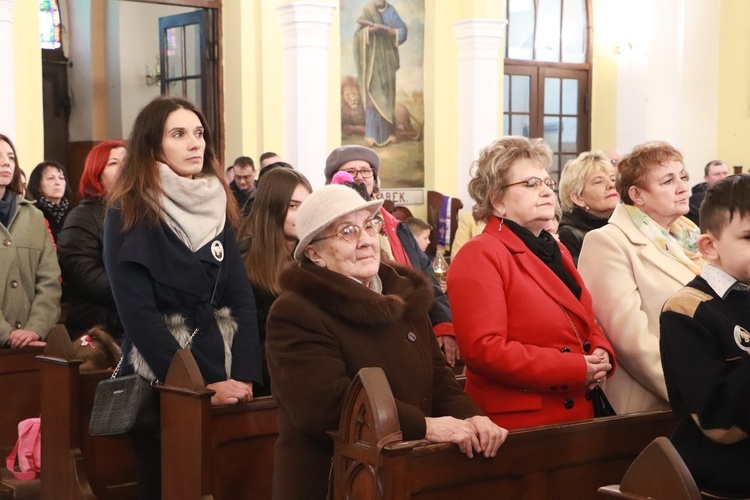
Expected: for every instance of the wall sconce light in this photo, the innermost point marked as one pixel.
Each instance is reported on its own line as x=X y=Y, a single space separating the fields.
x=153 y=75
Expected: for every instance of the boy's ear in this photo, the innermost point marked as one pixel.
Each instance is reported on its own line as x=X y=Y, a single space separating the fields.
x=707 y=246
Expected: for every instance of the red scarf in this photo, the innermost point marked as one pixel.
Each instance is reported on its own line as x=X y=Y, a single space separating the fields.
x=389 y=225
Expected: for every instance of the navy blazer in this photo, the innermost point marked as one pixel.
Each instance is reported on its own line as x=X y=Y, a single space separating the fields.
x=153 y=273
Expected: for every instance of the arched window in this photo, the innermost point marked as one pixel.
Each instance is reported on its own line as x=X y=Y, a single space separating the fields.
x=547 y=75
x=49 y=24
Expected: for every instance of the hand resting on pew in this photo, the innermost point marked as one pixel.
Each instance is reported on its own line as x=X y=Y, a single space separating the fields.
x=24 y=338
x=475 y=434
x=231 y=392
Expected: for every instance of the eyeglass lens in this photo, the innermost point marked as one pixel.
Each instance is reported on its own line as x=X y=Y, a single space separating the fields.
x=351 y=233
x=365 y=173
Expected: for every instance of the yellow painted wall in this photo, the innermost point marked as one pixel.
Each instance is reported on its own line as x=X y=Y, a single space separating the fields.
x=27 y=65
x=604 y=77
x=242 y=112
x=733 y=145
x=441 y=87
x=254 y=78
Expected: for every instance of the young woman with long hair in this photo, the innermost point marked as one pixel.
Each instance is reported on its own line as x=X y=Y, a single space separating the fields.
x=174 y=266
x=268 y=237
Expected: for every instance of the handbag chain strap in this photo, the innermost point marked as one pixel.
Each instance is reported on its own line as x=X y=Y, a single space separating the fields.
x=578 y=336
x=186 y=346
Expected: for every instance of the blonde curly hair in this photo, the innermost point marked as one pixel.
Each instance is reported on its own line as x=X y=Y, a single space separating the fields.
x=492 y=168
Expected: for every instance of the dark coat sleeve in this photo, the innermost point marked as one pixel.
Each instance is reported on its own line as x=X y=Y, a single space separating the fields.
x=79 y=250
x=238 y=296
x=306 y=365
x=311 y=380
x=440 y=311
x=133 y=290
x=447 y=396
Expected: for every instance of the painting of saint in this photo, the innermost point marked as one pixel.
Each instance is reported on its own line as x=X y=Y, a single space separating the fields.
x=382 y=105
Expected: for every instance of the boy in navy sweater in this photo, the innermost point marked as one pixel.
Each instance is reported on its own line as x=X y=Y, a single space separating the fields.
x=705 y=346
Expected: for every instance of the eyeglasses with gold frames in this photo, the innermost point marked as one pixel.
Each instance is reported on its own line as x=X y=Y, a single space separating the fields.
x=351 y=233
x=533 y=183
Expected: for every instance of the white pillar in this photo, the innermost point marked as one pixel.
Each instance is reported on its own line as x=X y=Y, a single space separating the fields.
x=305 y=28
x=7 y=82
x=478 y=92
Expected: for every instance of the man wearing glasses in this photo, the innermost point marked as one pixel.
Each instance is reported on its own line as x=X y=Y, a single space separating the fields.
x=243 y=185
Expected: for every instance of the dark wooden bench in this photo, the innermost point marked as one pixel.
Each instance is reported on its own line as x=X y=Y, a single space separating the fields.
x=76 y=464
x=20 y=387
x=221 y=452
x=225 y=452
x=557 y=461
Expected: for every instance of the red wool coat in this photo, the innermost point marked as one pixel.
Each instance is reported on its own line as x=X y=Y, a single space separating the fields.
x=525 y=365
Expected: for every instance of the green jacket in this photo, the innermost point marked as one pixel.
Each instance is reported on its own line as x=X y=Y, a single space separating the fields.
x=29 y=274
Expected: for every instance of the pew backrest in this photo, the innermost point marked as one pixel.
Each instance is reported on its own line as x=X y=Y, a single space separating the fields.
x=74 y=463
x=222 y=451
x=20 y=392
x=570 y=460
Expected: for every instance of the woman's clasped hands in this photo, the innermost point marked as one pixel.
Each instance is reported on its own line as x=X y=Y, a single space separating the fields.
x=231 y=392
x=597 y=367
x=476 y=434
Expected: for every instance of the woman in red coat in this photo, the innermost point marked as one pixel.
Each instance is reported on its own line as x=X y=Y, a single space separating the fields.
x=523 y=317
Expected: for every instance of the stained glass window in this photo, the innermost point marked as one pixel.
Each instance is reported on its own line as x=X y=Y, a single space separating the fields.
x=49 y=24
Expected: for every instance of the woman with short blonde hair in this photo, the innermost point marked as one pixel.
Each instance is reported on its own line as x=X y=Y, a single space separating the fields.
x=588 y=198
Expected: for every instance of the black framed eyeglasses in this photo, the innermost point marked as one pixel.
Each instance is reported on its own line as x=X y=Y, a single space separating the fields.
x=352 y=232
x=533 y=183
x=364 y=173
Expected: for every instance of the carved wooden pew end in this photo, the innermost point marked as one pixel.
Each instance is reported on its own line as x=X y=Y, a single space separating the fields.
x=76 y=464
x=213 y=451
x=657 y=472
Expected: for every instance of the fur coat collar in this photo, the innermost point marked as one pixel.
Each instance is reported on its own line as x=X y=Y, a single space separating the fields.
x=403 y=290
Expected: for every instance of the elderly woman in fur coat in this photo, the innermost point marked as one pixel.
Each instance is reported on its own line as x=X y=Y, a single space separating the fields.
x=342 y=310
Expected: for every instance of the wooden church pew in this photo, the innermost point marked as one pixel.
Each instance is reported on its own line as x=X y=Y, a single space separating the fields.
x=225 y=452
x=20 y=393
x=557 y=461
x=75 y=464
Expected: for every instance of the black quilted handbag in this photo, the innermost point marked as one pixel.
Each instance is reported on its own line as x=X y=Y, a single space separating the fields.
x=124 y=405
